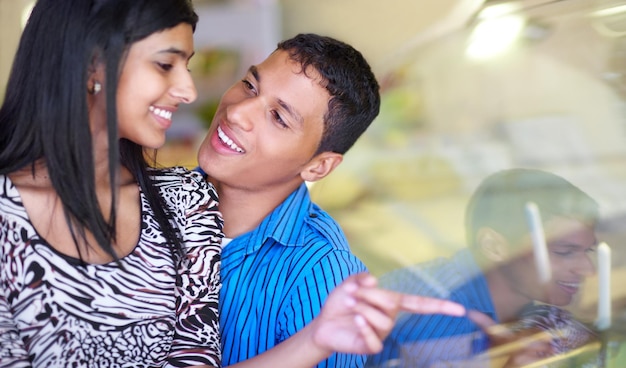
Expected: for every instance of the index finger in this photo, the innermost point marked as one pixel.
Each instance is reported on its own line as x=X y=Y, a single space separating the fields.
x=481 y=319
x=427 y=305
x=489 y=326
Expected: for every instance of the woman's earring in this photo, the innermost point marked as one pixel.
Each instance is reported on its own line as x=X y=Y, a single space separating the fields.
x=97 y=87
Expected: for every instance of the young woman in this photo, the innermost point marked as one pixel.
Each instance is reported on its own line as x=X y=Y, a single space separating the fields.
x=105 y=261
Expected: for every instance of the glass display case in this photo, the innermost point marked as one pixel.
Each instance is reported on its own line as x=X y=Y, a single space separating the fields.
x=524 y=84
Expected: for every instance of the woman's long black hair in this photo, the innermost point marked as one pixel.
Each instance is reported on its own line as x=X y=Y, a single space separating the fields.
x=45 y=114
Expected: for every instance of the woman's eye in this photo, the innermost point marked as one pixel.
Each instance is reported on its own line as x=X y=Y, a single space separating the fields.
x=166 y=67
x=247 y=84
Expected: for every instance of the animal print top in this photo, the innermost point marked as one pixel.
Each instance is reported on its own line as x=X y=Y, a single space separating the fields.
x=58 y=312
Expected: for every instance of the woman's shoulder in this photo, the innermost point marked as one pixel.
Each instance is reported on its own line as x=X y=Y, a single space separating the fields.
x=175 y=173
x=183 y=184
x=8 y=191
x=179 y=176
x=13 y=219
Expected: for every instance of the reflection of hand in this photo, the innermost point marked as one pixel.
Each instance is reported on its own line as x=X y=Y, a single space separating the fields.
x=520 y=347
x=357 y=315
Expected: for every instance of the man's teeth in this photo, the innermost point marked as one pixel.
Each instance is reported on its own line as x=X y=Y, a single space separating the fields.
x=229 y=142
x=569 y=284
x=161 y=112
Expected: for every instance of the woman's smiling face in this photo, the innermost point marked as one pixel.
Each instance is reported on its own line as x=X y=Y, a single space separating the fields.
x=154 y=81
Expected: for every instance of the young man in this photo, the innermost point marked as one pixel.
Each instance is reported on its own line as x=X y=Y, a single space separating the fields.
x=496 y=275
x=287 y=122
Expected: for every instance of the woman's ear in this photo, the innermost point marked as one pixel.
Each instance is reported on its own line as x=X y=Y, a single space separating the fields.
x=95 y=80
x=320 y=166
x=492 y=245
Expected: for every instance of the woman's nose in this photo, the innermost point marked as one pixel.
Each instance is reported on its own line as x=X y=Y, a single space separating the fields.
x=185 y=89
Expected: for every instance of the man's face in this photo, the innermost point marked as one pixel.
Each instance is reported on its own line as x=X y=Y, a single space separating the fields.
x=570 y=244
x=267 y=126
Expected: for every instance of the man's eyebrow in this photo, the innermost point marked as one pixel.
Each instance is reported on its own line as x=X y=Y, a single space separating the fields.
x=294 y=114
x=575 y=246
x=290 y=110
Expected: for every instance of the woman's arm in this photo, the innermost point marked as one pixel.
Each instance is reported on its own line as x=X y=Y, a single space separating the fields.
x=196 y=338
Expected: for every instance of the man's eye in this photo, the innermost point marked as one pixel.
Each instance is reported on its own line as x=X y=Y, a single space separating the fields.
x=563 y=253
x=278 y=118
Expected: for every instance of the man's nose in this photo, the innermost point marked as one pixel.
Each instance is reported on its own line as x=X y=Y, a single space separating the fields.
x=243 y=113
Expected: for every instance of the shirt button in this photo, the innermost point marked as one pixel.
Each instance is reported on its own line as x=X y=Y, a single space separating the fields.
x=313 y=215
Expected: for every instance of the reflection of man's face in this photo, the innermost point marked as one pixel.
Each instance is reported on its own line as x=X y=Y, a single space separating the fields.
x=569 y=243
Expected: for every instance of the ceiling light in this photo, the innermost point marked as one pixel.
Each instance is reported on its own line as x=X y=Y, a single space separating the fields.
x=494 y=35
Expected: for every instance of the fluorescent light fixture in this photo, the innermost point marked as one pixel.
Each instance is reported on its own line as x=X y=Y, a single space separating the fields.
x=609 y=11
x=498 y=10
x=493 y=36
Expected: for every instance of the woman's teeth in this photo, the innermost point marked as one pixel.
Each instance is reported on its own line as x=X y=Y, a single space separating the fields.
x=161 y=112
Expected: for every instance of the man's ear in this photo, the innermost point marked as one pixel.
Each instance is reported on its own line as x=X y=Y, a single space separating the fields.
x=320 y=166
x=492 y=245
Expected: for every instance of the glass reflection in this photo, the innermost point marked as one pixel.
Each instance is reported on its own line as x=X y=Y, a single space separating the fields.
x=553 y=100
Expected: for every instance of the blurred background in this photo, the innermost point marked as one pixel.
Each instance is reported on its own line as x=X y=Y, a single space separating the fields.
x=469 y=87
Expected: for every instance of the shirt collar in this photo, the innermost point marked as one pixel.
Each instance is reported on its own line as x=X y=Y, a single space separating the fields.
x=284 y=224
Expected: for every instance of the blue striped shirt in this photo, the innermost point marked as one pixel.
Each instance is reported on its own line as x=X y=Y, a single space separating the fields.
x=276 y=278
x=420 y=340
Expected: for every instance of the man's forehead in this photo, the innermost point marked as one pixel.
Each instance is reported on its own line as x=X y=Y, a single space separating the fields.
x=290 y=63
x=279 y=63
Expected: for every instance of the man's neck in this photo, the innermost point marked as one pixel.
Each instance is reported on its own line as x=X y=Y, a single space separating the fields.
x=508 y=303
x=244 y=209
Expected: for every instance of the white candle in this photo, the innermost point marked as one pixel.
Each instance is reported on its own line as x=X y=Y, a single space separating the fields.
x=540 y=249
x=604 y=287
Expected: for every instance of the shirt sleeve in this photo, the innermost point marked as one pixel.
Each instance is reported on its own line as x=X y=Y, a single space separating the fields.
x=196 y=339
x=308 y=297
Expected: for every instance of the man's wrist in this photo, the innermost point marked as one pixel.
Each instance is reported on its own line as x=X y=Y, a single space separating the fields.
x=317 y=341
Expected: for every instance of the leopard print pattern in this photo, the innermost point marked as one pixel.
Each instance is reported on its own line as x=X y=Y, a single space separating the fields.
x=145 y=311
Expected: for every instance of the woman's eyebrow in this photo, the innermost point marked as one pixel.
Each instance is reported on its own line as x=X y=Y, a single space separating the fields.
x=173 y=50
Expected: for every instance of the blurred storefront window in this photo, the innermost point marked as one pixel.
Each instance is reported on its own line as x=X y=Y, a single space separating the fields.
x=523 y=84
